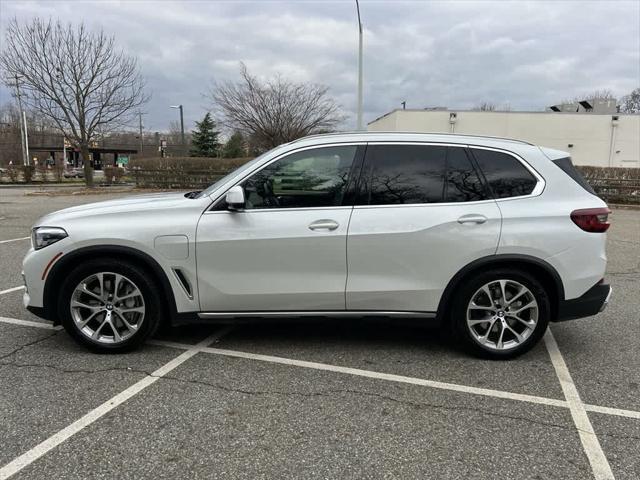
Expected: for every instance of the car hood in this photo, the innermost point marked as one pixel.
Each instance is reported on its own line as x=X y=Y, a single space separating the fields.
x=132 y=204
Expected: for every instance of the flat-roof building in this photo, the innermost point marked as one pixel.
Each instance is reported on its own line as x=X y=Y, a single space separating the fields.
x=605 y=140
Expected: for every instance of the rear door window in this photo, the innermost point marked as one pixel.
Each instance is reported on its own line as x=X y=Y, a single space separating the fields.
x=402 y=174
x=505 y=174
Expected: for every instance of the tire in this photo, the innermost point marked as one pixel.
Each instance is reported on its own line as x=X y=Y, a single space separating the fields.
x=128 y=316
x=492 y=328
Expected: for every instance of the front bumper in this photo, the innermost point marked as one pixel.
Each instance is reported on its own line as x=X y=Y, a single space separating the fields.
x=590 y=303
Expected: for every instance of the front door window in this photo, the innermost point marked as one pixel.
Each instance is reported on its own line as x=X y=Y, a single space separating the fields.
x=310 y=178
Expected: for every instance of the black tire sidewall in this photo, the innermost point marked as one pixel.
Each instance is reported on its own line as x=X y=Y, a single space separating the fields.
x=137 y=275
x=463 y=295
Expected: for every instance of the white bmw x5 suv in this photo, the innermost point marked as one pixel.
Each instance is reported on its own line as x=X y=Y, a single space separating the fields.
x=492 y=237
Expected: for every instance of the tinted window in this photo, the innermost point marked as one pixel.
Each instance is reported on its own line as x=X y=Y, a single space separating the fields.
x=310 y=178
x=506 y=176
x=567 y=167
x=463 y=183
x=399 y=174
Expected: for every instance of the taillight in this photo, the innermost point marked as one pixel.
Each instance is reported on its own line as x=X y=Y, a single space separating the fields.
x=592 y=219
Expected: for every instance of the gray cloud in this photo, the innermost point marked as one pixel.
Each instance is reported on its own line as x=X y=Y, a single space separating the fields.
x=456 y=54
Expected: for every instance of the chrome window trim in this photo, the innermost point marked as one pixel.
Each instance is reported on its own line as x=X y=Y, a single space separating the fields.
x=440 y=204
x=537 y=190
x=292 y=209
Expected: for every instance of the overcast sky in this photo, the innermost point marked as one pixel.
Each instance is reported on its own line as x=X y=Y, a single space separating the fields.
x=454 y=54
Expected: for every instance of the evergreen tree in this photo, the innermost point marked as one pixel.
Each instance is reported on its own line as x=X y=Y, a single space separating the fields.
x=204 y=140
x=235 y=146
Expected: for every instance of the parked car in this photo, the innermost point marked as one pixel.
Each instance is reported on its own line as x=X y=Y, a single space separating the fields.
x=75 y=172
x=494 y=238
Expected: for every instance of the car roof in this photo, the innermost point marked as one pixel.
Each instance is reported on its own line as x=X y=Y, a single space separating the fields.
x=340 y=137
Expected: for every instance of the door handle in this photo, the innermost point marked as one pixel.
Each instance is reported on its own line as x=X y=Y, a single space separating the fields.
x=472 y=218
x=324 y=225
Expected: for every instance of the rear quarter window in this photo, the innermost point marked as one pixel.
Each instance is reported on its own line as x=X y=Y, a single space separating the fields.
x=566 y=165
x=505 y=174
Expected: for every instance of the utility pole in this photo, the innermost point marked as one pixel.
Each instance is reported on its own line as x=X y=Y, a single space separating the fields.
x=359 y=122
x=182 y=126
x=404 y=105
x=24 y=139
x=141 y=137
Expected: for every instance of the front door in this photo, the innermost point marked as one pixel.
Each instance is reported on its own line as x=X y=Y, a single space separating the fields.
x=286 y=251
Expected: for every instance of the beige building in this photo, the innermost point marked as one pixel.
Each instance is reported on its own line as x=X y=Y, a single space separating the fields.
x=591 y=138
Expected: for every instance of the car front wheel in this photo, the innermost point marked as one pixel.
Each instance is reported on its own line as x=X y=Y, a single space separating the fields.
x=109 y=306
x=501 y=314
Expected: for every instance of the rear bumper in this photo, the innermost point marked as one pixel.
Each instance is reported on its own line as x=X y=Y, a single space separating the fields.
x=592 y=302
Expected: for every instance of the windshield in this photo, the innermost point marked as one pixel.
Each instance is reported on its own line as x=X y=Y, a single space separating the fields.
x=247 y=166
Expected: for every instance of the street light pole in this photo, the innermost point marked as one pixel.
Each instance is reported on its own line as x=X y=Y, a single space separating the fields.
x=359 y=114
x=181 y=124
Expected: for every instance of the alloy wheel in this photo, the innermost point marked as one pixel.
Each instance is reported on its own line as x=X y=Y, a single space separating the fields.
x=107 y=307
x=502 y=314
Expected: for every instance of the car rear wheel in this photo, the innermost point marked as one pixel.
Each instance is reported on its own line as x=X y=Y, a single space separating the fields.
x=500 y=314
x=109 y=306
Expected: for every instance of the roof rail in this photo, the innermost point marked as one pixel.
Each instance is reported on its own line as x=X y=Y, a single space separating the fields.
x=360 y=132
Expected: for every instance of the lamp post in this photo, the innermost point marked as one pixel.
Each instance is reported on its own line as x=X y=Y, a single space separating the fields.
x=181 y=123
x=24 y=136
x=359 y=114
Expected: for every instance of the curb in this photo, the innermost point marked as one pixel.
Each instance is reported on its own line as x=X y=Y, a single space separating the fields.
x=621 y=206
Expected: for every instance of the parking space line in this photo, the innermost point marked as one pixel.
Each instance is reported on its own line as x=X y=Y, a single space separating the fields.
x=397 y=378
x=389 y=377
x=557 y=361
x=56 y=439
x=612 y=411
x=14 y=289
x=590 y=444
x=14 y=240
x=28 y=323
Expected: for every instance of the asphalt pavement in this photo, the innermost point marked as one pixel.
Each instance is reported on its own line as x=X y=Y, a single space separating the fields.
x=318 y=398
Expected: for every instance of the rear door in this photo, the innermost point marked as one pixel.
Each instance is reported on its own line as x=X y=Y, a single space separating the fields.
x=422 y=213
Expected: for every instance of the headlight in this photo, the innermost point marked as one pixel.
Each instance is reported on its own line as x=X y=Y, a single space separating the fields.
x=43 y=236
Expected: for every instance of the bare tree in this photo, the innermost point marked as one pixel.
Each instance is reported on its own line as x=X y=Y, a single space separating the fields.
x=604 y=94
x=275 y=111
x=485 y=107
x=76 y=78
x=631 y=103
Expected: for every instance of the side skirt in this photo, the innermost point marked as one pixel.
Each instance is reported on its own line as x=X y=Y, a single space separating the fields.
x=320 y=313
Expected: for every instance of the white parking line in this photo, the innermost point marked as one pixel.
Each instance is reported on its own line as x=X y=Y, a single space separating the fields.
x=371 y=374
x=388 y=376
x=14 y=239
x=39 y=450
x=612 y=411
x=28 y=323
x=14 y=289
x=402 y=379
x=590 y=444
x=599 y=463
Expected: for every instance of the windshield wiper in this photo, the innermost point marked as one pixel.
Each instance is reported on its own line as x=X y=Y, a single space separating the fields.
x=193 y=194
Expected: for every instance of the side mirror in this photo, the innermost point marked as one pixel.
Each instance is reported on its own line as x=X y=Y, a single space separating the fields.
x=235 y=198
